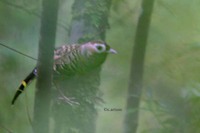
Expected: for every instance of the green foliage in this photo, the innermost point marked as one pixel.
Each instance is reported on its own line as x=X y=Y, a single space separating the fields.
x=181 y=114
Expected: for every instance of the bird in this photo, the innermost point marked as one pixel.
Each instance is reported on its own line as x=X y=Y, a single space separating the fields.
x=73 y=59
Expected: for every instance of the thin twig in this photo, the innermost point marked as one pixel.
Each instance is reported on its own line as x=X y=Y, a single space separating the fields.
x=8 y=130
x=27 y=111
x=28 y=56
x=23 y=8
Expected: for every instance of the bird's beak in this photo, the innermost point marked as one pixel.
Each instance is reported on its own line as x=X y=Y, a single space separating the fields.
x=112 y=51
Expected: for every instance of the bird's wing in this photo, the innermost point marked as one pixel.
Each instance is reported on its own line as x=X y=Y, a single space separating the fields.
x=61 y=53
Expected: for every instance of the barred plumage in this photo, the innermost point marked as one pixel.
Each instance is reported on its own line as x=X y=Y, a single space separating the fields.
x=73 y=59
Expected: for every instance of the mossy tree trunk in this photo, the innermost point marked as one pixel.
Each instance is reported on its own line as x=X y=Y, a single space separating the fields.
x=45 y=65
x=137 y=67
x=89 y=22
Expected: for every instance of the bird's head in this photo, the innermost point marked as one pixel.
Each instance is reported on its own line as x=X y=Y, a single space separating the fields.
x=96 y=48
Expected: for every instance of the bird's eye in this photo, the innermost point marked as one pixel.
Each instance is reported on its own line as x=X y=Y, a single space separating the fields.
x=99 y=48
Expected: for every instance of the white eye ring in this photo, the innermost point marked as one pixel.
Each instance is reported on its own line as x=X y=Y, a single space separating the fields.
x=100 y=48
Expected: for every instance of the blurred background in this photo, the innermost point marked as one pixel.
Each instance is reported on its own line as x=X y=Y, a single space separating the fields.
x=170 y=100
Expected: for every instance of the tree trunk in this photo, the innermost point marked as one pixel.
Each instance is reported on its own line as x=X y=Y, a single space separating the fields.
x=137 y=66
x=89 y=22
x=45 y=66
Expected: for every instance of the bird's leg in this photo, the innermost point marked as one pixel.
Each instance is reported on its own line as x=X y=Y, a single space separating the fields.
x=65 y=99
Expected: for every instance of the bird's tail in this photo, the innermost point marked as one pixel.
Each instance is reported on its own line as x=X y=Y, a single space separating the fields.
x=24 y=84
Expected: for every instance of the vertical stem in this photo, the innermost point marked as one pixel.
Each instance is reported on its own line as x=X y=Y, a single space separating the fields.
x=45 y=66
x=137 y=67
